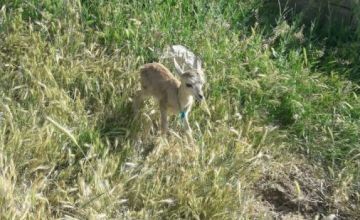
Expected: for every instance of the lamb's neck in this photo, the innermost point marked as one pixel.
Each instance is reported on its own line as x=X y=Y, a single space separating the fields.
x=185 y=99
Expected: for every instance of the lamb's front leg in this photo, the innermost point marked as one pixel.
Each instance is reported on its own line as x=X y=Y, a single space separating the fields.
x=164 y=120
x=188 y=128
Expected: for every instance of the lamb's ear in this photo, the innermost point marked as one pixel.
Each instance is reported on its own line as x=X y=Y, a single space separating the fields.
x=197 y=63
x=178 y=68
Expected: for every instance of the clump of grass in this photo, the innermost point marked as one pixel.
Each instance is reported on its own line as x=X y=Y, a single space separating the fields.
x=71 y=147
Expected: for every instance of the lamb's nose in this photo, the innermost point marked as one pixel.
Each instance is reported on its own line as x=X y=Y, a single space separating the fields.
x=201 y=97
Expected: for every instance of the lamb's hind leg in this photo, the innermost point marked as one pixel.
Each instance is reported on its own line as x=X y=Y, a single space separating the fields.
x=138 y=100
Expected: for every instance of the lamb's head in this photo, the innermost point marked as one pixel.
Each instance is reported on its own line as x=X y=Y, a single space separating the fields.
x=193 y=82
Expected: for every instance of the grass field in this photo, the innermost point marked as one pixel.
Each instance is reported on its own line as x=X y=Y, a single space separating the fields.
x=282 y=140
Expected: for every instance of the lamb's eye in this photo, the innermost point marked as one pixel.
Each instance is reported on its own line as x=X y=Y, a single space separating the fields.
x=188 y=85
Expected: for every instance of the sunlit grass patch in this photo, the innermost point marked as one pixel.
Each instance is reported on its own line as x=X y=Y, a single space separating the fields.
x=283 y=116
